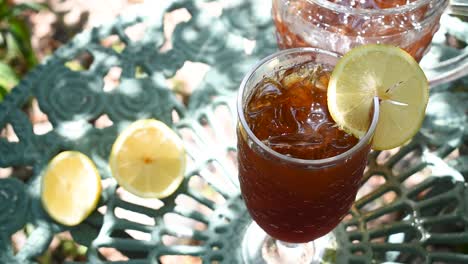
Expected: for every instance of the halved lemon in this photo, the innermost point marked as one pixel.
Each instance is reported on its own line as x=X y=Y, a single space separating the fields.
x=393 y=76
x=148 y=159
x=71 y=187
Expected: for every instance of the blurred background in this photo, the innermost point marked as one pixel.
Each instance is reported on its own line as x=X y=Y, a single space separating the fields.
x=31 y=30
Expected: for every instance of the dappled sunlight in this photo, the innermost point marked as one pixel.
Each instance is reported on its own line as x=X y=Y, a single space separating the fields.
x=74 y=130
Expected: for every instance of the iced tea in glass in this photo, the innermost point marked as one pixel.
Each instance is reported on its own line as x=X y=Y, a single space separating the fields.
x=339 y=25
x=299 y=173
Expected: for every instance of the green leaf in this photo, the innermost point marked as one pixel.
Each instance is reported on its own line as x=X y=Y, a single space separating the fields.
x=3 y=92
x=20 y=32
x=329 y=256
x=8 y=77
x=12 y=48
x=4 y=9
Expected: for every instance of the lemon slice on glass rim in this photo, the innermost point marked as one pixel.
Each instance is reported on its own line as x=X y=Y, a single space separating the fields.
x=148 y=159
x=392 y=75
x=71 y=187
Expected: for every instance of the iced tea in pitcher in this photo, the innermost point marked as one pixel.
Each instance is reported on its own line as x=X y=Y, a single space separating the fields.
x=339 y=25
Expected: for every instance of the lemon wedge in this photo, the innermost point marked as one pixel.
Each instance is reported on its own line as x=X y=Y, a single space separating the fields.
x=71 y=187
x=148 y=159
x=393 y=76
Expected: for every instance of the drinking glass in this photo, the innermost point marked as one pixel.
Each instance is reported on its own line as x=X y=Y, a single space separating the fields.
x=294 y=201
x=339 y=25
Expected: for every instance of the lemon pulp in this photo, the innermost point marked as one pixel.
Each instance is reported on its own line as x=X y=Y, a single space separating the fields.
x=148 y=159
x=71 y=187
x=393 y=76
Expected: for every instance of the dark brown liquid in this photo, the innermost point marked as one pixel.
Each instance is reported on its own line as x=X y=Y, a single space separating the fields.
x=293 y=202
x=289 y=114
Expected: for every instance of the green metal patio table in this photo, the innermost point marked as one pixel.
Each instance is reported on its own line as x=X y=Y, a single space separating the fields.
x=412 y=208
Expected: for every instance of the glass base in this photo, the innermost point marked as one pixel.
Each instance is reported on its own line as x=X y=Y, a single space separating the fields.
x=259 y=248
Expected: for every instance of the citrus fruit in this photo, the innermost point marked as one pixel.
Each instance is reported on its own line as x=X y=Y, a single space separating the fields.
x=148 y=159
x=71 y=187
x=393 y=76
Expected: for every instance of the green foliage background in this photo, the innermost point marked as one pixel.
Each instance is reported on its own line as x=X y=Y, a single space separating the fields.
x=17 y=56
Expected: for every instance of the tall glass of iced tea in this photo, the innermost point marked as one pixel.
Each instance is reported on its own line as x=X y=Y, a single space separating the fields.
x=299 y=173
x=339 y=25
